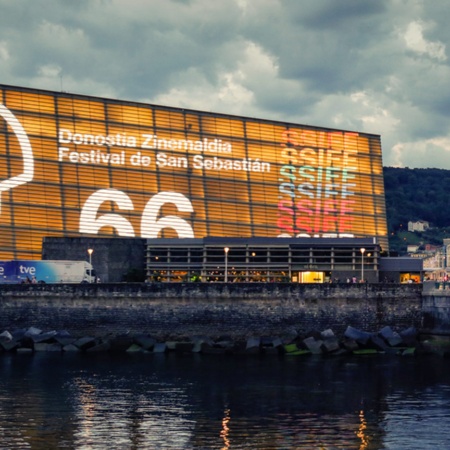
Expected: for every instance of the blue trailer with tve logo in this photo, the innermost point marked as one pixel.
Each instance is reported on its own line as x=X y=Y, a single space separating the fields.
x=36 y=271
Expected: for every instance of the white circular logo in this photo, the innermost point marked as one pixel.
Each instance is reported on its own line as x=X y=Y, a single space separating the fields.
x=27 y=153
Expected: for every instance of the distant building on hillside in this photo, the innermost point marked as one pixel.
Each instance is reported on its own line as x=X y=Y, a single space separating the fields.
x=420 y=225
x=412 y=248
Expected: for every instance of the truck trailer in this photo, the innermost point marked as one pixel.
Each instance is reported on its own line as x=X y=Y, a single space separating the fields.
x=46 y=271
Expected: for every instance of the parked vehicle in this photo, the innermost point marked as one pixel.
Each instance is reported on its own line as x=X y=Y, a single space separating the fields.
x=36 y=271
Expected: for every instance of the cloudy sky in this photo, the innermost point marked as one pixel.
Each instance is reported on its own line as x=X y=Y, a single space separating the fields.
x=377 y=66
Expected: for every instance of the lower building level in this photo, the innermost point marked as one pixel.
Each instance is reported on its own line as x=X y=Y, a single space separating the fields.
x=302 y=260
x=263 y=260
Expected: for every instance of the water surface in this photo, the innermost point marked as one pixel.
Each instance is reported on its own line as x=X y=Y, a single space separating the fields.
x=171 y=401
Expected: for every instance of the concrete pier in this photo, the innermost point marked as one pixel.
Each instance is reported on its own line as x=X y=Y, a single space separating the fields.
x=238 y=310
x=436 y=308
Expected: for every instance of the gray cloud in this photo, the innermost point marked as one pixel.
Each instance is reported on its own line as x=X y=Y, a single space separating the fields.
x=374 y=66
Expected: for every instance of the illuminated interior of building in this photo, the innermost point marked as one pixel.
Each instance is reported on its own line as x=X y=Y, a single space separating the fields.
x=303 y=260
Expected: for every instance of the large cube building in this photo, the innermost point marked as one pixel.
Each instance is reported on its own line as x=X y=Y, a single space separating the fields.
x=74 y=165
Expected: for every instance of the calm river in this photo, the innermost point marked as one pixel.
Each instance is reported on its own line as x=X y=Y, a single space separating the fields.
x=172 y=401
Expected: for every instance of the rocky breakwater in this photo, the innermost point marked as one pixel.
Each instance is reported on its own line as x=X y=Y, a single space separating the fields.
x=326 y=343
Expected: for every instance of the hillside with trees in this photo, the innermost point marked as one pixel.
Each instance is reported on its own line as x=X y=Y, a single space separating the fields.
x=416 y=194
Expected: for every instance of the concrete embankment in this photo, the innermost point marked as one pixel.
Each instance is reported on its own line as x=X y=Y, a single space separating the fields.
x=224 y=318
x=178 y=311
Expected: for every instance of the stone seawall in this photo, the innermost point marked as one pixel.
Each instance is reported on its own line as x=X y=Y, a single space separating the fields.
x=436 y=308
x=177 y=311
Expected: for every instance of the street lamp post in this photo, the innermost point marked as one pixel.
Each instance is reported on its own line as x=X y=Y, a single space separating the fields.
x=362 y=264
x=90 y=251
x=226 y=250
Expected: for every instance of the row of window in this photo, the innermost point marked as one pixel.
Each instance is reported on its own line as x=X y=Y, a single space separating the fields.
x=252 y=256
x=42 y=222
x=190 y=184
x=40 y=105
x=247 y=263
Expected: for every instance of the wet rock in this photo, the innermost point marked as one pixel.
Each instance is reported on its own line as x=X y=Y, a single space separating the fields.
x=40 y=347
x=252 y=346
x=377 y=342
x=199 y=342
x=391 y=337
x=134 y=348
x=361 y=337
x=268 y=342
x=292 y=349
x=411 y=351
x=71 y=348
x=386 y=340
x=439 y=345
x=24 y=350
x=253 y=343
x=44 y=337
x=197 y=347
x=317 y=335
x=410 y=336
x=395 y=340
x=160 y=347
x=289 y=336
x=9 y=346
x=103 y=346
x=18 y=334
x=47 y=347
x=6 y=336
x=145 y=341
x=327 y=334
x=227 y=344
x=63 y=333
x=54 y=347
x=386 y=332
x=200 y=346
x=350 y=344
x=171 y=345
x=271 y=345
x=85 y=343
x=64 y=338
x=340 y=352
x=313 y=345
x=32 y=332
x=331 y=345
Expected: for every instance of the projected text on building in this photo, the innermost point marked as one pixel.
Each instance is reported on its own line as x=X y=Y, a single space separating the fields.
x=73 y=165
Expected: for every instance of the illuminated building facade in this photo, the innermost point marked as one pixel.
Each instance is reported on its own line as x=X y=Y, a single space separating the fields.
x=303 y=260
x=75 y=165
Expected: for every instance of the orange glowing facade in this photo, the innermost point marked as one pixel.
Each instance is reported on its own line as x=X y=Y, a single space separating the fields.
x=74 y=165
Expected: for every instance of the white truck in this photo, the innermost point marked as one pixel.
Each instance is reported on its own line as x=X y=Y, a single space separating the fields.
x=46 y=271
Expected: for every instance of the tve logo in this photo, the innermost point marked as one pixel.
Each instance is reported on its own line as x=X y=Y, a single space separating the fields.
x=27 y=153
x=31 y=270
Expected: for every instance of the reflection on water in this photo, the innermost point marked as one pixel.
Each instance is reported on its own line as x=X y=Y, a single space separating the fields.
x=225 y=430
x=215 y=402
x=362 y=431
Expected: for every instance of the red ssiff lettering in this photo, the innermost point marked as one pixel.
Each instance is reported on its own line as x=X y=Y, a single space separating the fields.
x=315 y=216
